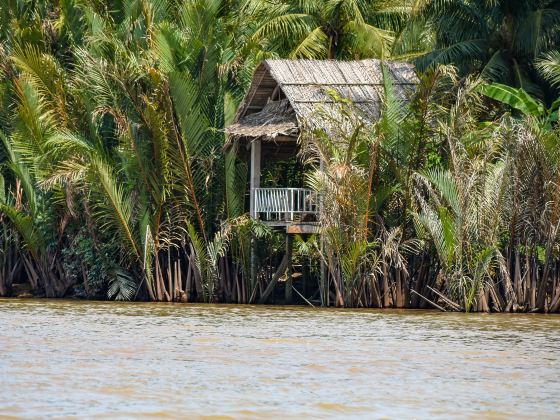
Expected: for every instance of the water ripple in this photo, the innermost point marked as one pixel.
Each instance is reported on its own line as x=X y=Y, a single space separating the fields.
x=113 y=360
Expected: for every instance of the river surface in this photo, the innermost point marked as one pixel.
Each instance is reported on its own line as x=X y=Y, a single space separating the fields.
x=74 y=359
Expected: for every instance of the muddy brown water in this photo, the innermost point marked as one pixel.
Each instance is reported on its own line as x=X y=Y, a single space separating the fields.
x=74 y=359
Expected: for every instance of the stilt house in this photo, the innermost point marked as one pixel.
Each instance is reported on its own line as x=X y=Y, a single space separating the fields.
x=283 y=95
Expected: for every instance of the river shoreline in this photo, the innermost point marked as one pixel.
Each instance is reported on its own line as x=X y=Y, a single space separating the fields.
x=72 y=299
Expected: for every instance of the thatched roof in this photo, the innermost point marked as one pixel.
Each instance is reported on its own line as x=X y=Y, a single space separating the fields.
x=307 y=86
x=277 y=118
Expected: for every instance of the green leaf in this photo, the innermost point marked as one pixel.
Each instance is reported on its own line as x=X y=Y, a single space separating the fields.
x=2 y=190
x=449 y=233
x=115 y=210
x=25 y=225
x=517 y=98
x=554 y=110
x=121 y=286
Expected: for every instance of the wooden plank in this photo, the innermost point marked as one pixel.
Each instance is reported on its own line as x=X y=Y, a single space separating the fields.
x=302 y=228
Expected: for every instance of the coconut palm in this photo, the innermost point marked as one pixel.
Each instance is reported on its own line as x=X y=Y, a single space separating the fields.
x=500 y=40
x=549 y=67
x=329 y=29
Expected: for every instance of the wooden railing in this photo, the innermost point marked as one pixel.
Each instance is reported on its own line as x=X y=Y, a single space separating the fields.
x=284 y=204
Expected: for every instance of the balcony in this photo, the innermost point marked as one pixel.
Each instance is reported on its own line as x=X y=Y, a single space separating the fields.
x=286 y=207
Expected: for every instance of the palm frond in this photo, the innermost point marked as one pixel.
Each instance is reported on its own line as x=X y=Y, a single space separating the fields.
x=314 y=46
x=549 y=67
x=25 y=226
x=44 y=73
x=289 y=25
x=114 y=209
x=121 y=286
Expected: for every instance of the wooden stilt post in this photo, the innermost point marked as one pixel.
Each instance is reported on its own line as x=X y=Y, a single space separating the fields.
x=289 y=249
x=305 y=270
x=270 y=287
x=255 y=182
x=323 y=282
x=255 y=173
x=323 y=287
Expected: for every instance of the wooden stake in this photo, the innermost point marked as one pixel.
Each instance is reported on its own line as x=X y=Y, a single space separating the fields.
x=270 y=287
x=289 y=280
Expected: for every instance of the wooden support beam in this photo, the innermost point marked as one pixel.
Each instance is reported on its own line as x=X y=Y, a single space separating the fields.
x=270 y=287
x=289 y=280
x=247 y=102
x=324 y=280
x=255 y=182
x=302 y=228
x=435 y=305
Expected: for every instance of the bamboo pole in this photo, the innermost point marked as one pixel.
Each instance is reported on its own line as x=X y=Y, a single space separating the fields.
x=435 y=305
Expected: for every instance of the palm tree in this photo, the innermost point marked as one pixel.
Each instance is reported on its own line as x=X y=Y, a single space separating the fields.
x=37 y=216
x=549 y=68
x=500 y=40
x=461 y=208
x=343 y=29
x=358 y=168
x=131 y=131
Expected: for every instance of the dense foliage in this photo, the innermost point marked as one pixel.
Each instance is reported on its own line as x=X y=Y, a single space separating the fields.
x=115 y=181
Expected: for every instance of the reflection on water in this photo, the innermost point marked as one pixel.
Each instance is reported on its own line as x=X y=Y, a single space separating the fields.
x=113 y=360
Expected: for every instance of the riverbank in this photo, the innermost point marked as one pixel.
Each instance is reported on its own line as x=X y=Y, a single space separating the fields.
x=276 y=293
